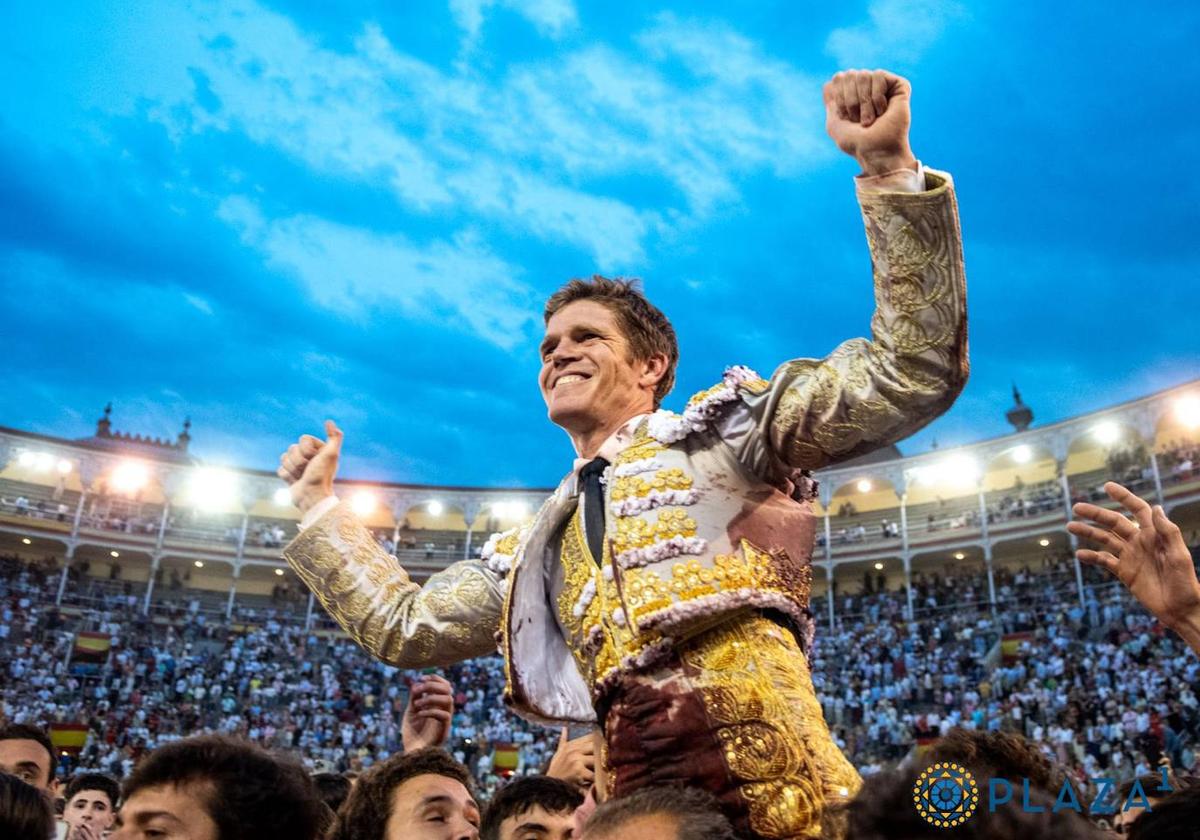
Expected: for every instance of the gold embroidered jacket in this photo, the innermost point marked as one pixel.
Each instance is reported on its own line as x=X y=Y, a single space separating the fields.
x=703 y=521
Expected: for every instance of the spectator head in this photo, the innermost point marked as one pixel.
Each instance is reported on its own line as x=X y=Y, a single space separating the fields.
x=422 y=795
x=92 y=800
x=333 y=787
x=1173 y=818
x=660 y=813
x=532 y=808
x=884 y=810
x=213 y=787
x=999 y=755
x=27 y=753
x=25 y=811
x=1127 y=811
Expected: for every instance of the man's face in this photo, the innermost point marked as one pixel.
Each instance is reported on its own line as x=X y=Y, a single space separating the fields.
x=432 y=807
x=589 y=379
x=28 y=761
x=167 y=812
x=652 y=827
x=89 y=807
x=538 y=824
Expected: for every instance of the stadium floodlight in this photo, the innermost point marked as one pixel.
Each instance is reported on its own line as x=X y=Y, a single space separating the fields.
x=879 y=567
x=26 y=540
x=435 y=508
x=26 y=458
x=957 y=470
x=114 y=554
x=279 y=572
x=1022 y=454
x=863 y=485
x=1043 y=542
x=510 y=509
x=282 y=497
x=43 y=461
x=129 y=477
x=64 y=466
x=958 y=555
x=212 y=488
x=1106 y=432
x=1187 y=410
x=363 y=502
x=199 y=564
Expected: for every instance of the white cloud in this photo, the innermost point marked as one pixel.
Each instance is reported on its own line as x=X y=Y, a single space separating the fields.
x=552 y=18
x=534 y=150
x=898 y=30
x=355 y=273
x=198 y=302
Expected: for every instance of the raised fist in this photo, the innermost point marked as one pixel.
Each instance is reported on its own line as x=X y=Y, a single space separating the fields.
x=309 y=465
x=867 y=115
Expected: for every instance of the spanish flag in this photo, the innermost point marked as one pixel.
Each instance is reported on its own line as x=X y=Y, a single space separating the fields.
x=506 y=758
x=1010 y=646
x=68 y=737
x=91 y=647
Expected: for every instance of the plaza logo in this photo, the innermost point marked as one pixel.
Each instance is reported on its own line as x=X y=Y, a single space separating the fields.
x=946 y=795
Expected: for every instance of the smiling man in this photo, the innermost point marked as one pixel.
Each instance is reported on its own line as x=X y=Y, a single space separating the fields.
x=661 y=593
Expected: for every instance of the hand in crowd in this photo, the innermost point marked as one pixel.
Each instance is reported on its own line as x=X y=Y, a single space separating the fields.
x=1148 y=555
x=574 y=761
x=427 y=717
x=85 y=831
x=309 y=466
x=867 y=115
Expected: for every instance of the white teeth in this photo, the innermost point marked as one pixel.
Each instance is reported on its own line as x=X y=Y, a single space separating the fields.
x=570 y=377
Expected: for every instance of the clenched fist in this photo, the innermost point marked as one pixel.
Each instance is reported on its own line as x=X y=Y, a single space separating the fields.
x=309 y=465
x=867 y=115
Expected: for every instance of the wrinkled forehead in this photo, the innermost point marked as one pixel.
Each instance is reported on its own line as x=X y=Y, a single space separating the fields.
x=582 y=313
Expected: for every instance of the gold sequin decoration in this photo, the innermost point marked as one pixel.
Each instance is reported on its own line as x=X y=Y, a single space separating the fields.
x=636 y=486
x=633 y=532
x=759 y=695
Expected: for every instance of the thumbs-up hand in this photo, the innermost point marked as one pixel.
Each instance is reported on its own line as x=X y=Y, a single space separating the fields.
x=309 y=465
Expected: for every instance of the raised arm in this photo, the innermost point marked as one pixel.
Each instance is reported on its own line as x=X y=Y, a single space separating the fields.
x=452 y=617
x=872 y=392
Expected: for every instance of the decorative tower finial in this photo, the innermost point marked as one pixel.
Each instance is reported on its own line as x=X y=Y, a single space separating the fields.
x=1020 y=415
x=184 y=438
x=104 y=424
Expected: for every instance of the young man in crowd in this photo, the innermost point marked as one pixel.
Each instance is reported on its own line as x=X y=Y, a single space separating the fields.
x=91 y=806
x=532 y=808
x=660 y=813
x=26 y=752
x=422 y=795
x=213 y=787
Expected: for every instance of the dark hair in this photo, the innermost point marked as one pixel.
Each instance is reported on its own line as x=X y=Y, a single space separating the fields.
x=698 y=815
x=333 y=788
x=1175 y=818
x=366 y=811
x=254 y=793
x=95 y=781
x=884 y=810
x=645 y=327
x=999 y=754
x=23 y=732
x=553 y=795
x=25 y=812
x=1150 y=783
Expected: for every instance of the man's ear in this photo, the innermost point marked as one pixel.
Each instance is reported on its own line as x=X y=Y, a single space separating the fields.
x=654 y=368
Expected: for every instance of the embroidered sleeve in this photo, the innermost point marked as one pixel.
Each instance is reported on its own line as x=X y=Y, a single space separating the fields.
x=870 y=393
x=452 y=617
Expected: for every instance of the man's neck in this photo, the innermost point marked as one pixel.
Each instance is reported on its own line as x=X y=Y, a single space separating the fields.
x=587 y=443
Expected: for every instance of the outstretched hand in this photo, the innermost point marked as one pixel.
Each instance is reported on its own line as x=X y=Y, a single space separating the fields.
x=427 y=716
x=309 y=466
x=867 y=114
x=1148 y=555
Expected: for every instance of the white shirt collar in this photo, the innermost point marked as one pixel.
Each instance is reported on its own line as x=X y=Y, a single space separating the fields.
x=615 y=444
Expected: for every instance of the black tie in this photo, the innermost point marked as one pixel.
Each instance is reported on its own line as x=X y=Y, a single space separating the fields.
x=593 y=507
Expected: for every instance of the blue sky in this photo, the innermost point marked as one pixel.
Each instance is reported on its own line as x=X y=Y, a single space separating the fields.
x=260 y=214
